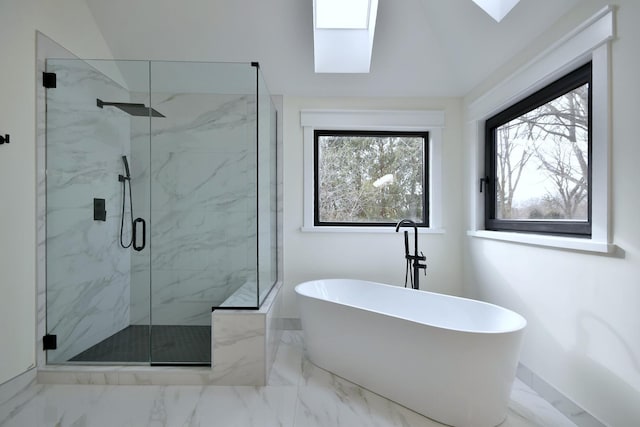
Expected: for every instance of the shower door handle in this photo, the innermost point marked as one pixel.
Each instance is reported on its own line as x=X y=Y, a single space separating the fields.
x=135 y=234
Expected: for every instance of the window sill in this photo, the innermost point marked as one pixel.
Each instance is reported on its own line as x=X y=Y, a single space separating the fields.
x=421 y=230
x=570 y=243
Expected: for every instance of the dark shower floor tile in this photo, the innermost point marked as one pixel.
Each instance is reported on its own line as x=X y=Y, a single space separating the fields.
x=170 y=344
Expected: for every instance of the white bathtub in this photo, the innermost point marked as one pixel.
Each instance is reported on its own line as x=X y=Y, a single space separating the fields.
x=448 y=358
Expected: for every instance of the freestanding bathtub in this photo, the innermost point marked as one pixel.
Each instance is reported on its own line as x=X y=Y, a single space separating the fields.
x=448 y=358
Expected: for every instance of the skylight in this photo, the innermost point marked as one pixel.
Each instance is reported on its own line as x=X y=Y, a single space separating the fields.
x=343 y=32
x=497 y=9
x=342 y=14
x=343 y=35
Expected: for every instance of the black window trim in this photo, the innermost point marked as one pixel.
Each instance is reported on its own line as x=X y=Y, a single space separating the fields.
x=568 y=228
x=370 y=133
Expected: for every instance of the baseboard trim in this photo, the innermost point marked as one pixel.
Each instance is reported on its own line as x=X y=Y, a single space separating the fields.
x=559 y=401
x=291 y=324
x=15 y=385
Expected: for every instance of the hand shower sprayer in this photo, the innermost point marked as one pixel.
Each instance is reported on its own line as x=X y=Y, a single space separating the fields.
x=123 y=179
x=134 y=224
x=127 y=175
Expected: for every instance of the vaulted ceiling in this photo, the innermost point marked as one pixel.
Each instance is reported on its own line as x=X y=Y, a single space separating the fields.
x=421 y=47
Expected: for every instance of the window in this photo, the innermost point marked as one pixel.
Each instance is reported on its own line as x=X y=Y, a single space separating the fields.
x=538 y=160
x=370 y=178
x=589 y=42
x=428 y=125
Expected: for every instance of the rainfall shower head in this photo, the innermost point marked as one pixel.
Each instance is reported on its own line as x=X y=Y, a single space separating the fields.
x=136 y=110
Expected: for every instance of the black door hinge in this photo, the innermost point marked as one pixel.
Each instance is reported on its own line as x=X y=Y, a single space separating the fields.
x=49 y=80
x=49 y=342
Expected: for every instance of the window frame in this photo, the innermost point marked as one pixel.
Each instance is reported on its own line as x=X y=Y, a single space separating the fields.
x=377 y=119
x=570 y=228
x=590 y=40
x=371 y=133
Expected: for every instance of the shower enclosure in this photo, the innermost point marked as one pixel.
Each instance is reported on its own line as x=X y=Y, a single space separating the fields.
x=160 y=205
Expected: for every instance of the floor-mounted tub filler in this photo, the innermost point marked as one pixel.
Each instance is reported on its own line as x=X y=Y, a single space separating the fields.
x=451 y=359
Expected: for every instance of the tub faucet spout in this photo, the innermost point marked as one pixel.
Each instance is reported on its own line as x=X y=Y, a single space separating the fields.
x=413 y=261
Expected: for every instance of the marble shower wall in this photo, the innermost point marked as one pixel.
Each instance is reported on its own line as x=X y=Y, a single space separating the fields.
x=200 y=165
x=88 y=272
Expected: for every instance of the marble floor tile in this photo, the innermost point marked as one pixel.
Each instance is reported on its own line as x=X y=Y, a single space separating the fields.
x=298 y=394
x=293 y=338
x=527 y=408
x=287 y=366
x=247 y=406
x=345 y=404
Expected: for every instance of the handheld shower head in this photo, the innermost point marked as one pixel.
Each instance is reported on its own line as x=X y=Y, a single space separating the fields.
x=127 y=175
x=126 y=166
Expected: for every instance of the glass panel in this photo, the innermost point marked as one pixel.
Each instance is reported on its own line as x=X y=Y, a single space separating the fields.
x=370 y=178
x=186 y=172
x=203 y=215
x=542 y=161
x=89 y=286
x=267 y=191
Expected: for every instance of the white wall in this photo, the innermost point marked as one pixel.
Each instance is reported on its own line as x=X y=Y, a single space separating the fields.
x=380 y=256
x=583 y=335
x=71 y=24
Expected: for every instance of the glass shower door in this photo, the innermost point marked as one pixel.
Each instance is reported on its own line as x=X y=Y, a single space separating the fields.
x=203 y=238
x=161 y=204
x=89 y=171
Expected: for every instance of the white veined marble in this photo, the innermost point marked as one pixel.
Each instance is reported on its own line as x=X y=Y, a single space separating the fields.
x=200 y=213
x=200 y=168
x=245 y=296
x=299 y=394
x=244 y=343
x=87 y=271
